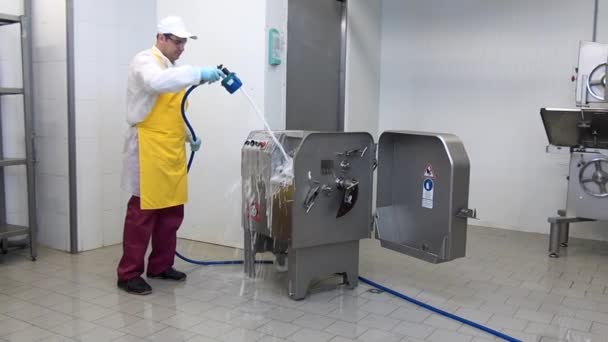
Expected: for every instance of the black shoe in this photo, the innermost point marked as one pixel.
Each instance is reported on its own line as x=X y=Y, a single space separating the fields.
x=136 y=286
x=170 y=274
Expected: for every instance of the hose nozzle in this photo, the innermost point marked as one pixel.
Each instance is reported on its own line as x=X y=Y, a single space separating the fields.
x=231 y=82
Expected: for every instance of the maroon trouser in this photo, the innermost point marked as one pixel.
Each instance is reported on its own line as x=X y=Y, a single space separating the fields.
x=140 y=225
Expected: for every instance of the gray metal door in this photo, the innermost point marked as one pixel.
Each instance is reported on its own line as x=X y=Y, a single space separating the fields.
x=314 y=63
x=423 y=190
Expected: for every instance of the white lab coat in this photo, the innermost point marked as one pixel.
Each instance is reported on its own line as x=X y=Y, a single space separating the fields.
x=146 y=80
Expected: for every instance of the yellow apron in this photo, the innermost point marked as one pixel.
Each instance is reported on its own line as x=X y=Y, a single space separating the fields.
x=162 y=153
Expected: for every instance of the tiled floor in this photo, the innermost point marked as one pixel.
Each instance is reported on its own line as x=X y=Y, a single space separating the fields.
x=506 y=282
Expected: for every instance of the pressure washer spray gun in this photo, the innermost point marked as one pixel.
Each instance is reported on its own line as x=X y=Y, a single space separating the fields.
x=231 y=82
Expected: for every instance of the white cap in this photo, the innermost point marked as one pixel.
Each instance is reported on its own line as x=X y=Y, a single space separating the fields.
x=175 y=26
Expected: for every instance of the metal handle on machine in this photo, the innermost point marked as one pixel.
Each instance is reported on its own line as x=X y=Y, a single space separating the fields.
x=313 y=192
x=346 y=184
x=349 y=153
x=467 y=213
x=311 y=196
x=350 y=194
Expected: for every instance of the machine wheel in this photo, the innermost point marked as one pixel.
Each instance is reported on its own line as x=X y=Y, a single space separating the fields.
x=597 y=82
x=563 y=244
x=595 y=183
x=553 y=255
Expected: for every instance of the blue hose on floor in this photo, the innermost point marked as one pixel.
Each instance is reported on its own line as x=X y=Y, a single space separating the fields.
x=211 y=263
x=364 y=280
x=439 y=311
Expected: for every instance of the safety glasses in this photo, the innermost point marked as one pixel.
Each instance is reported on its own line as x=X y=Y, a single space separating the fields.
x=177 y=41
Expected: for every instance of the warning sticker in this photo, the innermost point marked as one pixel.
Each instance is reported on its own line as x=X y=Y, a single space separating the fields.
x=254 y=212
x=428 y=188
x=428 y=171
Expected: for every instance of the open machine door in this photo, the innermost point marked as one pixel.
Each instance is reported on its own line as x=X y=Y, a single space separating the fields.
x=576 y=128
x=423 y=190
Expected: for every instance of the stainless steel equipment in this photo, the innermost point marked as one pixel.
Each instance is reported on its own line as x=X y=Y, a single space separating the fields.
x=584 y=131
x=312 y=206
x=315 y=208
x=591 y=81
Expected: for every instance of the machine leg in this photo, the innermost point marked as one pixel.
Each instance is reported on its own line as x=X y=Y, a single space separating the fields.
x=298 y=278
x=4 y=245
x=564 y=231
x=564 y=234
x=352 y=279
x=554 y=239
x=308 y=264
x=298 y=289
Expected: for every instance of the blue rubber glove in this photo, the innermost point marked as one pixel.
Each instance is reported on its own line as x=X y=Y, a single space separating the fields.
x=211 y=74
x=195 y=145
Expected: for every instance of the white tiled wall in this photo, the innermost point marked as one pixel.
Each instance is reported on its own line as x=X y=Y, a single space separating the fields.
x=107 y=35
x=50 y=119
x=275 y=75
x=362 y=93
x=50 y=110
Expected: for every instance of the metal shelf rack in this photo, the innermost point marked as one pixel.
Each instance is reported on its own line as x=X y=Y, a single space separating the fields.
x=10 y=230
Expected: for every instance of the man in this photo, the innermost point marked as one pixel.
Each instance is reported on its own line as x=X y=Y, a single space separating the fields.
x=154 y=170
